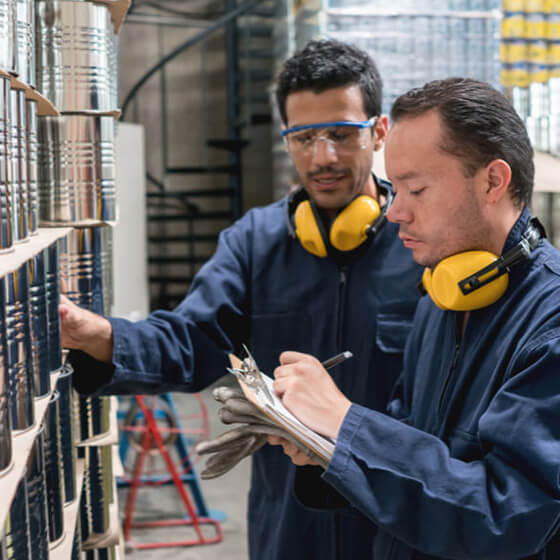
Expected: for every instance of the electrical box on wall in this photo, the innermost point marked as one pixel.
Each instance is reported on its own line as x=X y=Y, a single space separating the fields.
x=130 y=274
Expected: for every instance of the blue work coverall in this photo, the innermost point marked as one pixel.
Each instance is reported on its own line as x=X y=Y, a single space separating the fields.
x=262 y=287
x=467 y=465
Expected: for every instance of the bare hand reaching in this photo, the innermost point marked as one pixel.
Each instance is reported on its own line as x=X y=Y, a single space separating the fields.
x=81 y=329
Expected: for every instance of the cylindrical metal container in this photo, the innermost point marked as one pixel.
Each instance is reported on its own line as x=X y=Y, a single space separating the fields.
x=520 y=101
x=81 y=266
x=32 y=166
x=6 y=230
x=108 y=553
x=93 y=416
x=554 y=135
x=96 y=498
x=77 y=170
x=37 y=499
x=39 y=324
x=25 y=32
x=8 y=35
x=5 y=421
x=538 y=99
x=53 y=299
x=107 y=269
x=17 y=533
x=114 y=71
x=53 y=469
x=77 y=541
x=66 y=423
x=20 y=213
x=74 y=52
x=18 y=348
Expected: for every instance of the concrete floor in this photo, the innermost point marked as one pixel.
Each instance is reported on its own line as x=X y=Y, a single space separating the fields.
x=227 y=494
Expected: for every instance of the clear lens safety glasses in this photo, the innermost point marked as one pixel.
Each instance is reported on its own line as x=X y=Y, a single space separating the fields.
x=340 y=136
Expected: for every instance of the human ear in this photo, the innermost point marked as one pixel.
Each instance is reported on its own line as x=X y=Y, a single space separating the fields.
x=380 y=132
x=498 y=174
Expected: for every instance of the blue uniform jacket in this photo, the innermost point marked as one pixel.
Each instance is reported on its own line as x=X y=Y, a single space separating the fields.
x=261 y=286
x=468 y=466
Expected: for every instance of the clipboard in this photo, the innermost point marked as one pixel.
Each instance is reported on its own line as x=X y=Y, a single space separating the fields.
x=273 y=408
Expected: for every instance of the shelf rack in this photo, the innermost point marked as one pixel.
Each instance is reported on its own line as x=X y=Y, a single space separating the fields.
x=22 y=443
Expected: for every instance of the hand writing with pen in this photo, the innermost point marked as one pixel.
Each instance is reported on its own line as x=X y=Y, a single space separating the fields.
x=310 y=394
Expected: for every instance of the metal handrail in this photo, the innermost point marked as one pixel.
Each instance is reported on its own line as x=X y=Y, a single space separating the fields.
x=245 y=7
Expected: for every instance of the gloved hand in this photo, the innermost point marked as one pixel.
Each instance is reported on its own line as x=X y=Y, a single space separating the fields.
x=234 y=445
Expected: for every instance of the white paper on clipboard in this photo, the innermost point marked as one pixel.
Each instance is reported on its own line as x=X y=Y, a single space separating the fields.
x=282 y=417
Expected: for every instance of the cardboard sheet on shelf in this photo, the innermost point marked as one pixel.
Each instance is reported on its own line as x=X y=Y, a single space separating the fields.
x=44 y=107
x=22 y=252
x=118 y=10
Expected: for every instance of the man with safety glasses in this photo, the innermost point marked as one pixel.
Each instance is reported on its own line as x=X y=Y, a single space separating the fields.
x=320 y=271
x=465 y=462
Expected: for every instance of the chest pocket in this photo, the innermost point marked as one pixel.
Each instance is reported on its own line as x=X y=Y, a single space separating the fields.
x=272 y=333
x=392 y=331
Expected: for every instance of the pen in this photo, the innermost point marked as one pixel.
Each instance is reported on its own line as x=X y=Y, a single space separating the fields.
x=338 y=359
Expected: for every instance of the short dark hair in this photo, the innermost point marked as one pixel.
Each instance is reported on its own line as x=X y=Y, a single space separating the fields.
x=326 y=64
x=480 y=125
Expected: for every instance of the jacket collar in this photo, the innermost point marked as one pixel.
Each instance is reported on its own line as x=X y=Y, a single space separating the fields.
x=517 y=230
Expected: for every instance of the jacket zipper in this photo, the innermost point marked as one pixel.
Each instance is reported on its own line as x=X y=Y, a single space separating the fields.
x=343 y=271
x=342 y=280
x=454 y=362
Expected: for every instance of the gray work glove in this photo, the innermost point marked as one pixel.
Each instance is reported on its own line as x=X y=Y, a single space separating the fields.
x=234 y=445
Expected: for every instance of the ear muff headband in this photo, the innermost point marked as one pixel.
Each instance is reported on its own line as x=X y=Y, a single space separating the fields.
x=475 y=279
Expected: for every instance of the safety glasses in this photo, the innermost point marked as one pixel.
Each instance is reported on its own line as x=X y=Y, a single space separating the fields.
x=341 y=136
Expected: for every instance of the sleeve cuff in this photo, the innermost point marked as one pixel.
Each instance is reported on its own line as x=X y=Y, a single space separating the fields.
x=90 y=375
x=342 y=451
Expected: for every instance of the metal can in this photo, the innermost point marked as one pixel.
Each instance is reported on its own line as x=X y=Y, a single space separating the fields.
x=53 y=469
x=25 y=33
x=53 y=299
x=32 y=167
x=18 y=350
x=20 y=213
x=5 y=421
x=8 y=39
x=75 y=55
x=77 y=170
x=67 y=434
x=39 y=325
x=83 y=266
x=6 y=226
x=37 y=499
x=17 y=533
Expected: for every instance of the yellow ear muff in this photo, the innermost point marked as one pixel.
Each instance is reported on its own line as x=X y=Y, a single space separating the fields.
x=308 y=231
x=444 y=282
x=349 y=230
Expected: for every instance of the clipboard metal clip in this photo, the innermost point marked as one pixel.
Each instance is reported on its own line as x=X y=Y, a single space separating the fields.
x=251 y=375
